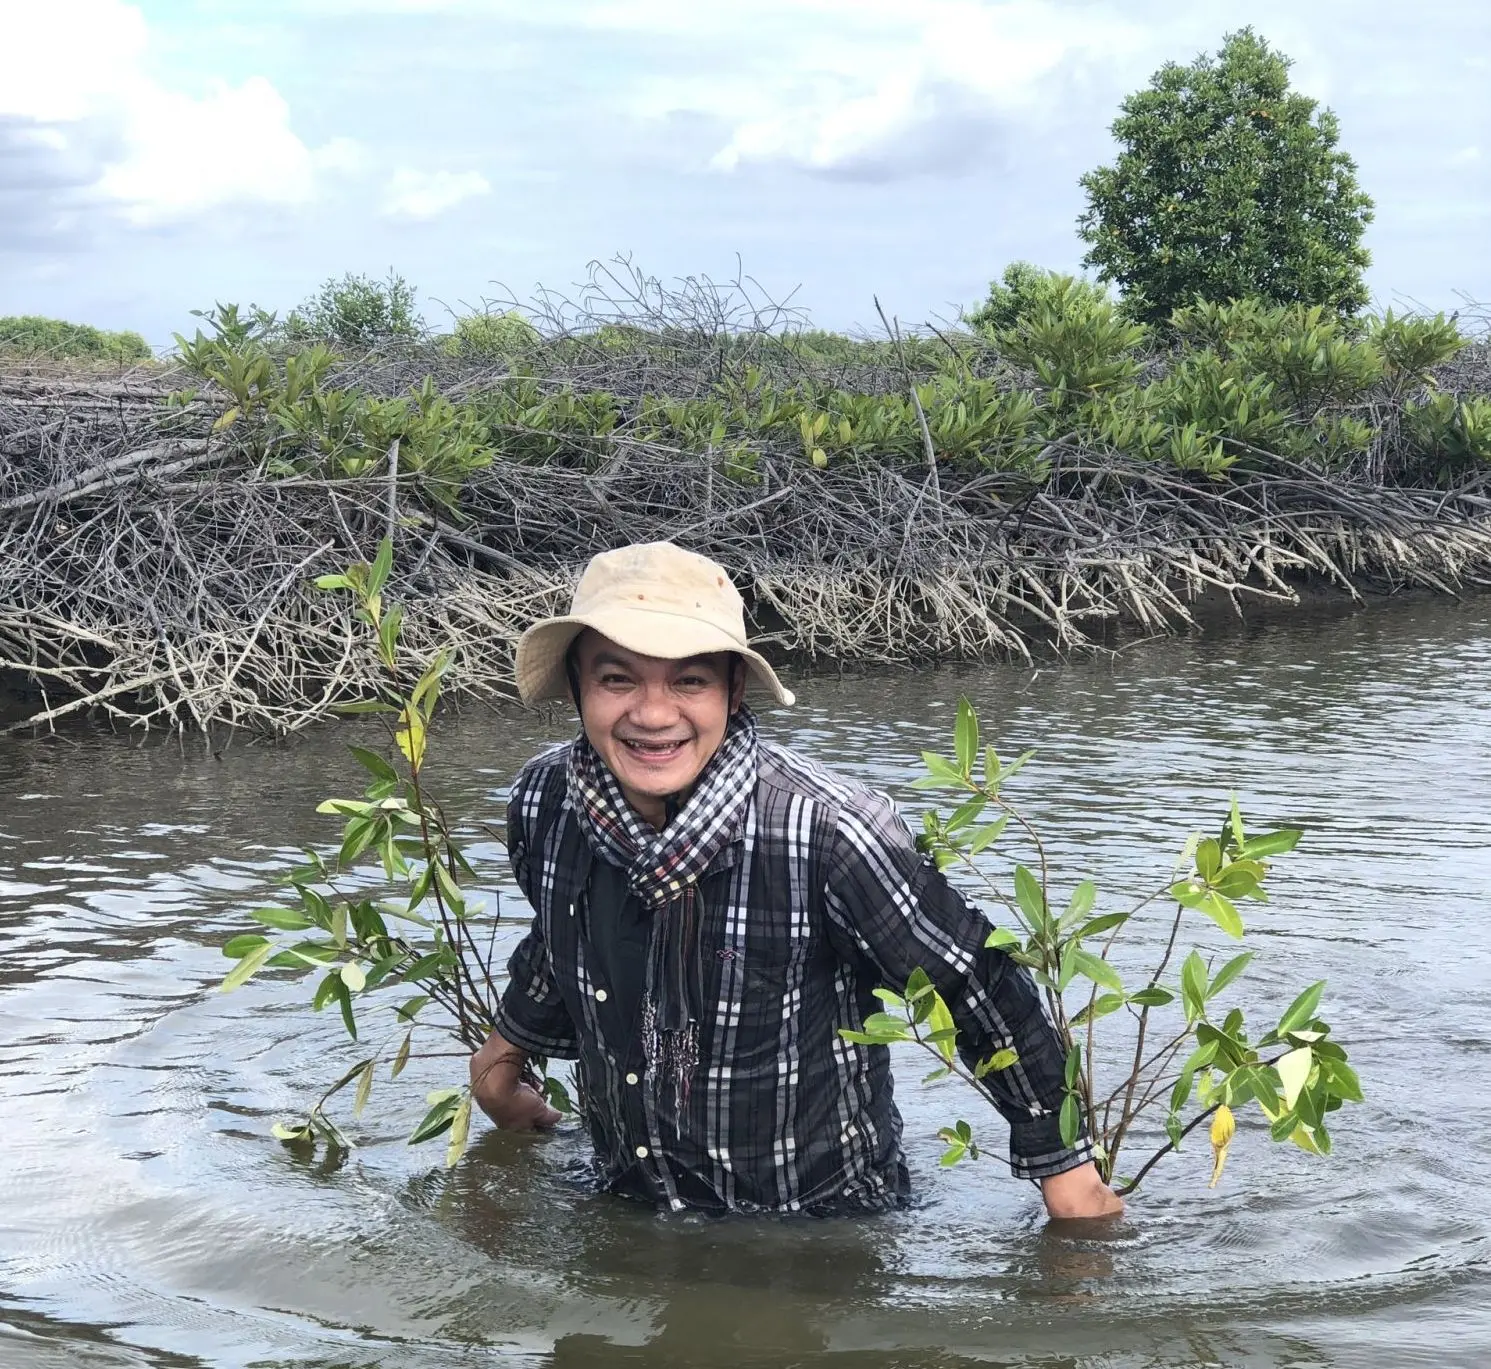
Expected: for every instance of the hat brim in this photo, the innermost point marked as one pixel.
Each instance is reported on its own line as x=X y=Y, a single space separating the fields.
x=539 y=665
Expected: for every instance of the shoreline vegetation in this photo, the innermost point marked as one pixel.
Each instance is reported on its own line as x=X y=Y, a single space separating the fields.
x=1009 y=487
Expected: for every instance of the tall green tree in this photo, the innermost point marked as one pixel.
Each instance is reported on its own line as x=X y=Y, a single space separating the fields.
x=1227 y=184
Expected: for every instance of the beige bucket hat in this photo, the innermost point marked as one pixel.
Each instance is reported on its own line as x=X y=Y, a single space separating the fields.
x=654 y=598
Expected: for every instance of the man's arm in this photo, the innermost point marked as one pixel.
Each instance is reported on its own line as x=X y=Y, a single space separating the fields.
x=498 y=1088
x=531 y=1018
x=901 y=913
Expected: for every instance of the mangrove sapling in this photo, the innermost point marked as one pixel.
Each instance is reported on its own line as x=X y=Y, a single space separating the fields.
x=1183 y=1053
x=344 y=938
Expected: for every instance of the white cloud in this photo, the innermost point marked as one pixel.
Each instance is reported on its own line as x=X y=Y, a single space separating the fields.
x=412 y=194
x=927 y=83
x=74 y=78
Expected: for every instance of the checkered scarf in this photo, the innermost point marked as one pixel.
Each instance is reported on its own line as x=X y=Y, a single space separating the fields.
x=663 y=870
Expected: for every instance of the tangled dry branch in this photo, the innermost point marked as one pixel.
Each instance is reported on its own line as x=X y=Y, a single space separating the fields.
x=150 y=573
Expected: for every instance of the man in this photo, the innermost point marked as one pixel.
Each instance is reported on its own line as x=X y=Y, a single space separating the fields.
x=710 y=910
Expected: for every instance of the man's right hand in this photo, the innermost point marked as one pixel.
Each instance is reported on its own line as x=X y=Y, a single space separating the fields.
x=498 y=1089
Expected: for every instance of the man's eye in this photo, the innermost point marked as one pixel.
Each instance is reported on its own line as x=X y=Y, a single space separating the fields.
x=612 y=681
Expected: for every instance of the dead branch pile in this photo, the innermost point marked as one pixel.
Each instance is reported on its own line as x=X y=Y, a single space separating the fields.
x=156 y=573
x=149 y=573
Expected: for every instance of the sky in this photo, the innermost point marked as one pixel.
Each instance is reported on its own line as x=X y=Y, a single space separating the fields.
x=158 y=156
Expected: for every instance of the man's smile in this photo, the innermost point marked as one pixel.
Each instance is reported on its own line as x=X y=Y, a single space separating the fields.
x=655 y=752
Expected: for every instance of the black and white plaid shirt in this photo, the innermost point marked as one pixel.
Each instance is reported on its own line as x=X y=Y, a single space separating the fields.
x=823 y=899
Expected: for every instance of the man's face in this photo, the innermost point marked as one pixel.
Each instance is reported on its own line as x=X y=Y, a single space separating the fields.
x=655 y=723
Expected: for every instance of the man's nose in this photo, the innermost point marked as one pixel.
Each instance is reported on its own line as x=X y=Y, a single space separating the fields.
x=654 y=708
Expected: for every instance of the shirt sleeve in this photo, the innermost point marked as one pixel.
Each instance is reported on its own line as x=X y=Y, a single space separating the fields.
x=531 y=1013
x=898 y=910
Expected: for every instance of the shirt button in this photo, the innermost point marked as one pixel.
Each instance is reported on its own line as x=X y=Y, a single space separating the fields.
x=600 y=995
x=631 y=1079
x=642 y=1152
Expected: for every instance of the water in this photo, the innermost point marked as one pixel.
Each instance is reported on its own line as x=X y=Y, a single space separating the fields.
x=146 y=1217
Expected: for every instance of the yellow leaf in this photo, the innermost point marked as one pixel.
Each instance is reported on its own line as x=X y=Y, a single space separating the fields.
x=1294 y=1071
x=411 y=736
x=1223 y=1129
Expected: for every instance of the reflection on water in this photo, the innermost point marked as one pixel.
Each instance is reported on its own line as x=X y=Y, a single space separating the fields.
x=148 y=1219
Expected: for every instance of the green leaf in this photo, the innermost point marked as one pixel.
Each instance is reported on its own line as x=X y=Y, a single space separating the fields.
x=1071 y=1120
x=354 y=976
x=1302 y=1010
x=986 y=836
x=918 y=985
x=1235 y=822
x=1228 y=973
x=460 y=1128
x=364 y=1089
x=381 y=568
x=1193 y=984
x=291 y=1135
x=241 y=945
x=248 y=966
x=285 y=919
x=332 y=582
x=1208 y=859
x=359 y=834
x=1101 y=1006
x=1000 y=1060
x=941 y=1072
x=942 y=770
x=1094 y=967
x=439 y=1118
x=374 y=764
x=1342 y=1080
x=402 y=1058
x=388 y=630
x=966 y=814
x=1237 y=881
x=966 y=735
x=1152 y=997
x=1271 y=844
x=343 y=996
x=890 y=998
x=325 y=991
x=1105 y=923
x=1073 y=1065
x=955 y=1152
x=944 y=1033
x=1079 y=905
x=556 y=1095
x=1223 y=912
x=1001 y=937
x=359 y=706
x=1028 y=895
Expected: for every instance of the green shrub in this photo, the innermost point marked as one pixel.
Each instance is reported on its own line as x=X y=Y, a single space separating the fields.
x=356 y=314
x=1411 y=345
x=1082 y=348
x=1449 y=433
x=492 y=337
x=32 y=336
x=1227 y=184
x=1313 y=356
x=1025 y=289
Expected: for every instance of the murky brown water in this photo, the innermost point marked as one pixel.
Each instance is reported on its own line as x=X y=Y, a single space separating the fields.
x=146 y=1218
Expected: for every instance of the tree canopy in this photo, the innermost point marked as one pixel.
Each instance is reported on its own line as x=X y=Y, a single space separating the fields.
x=1227 y=184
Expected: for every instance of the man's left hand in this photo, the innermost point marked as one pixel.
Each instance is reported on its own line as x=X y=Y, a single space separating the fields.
x=1080 y=1192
